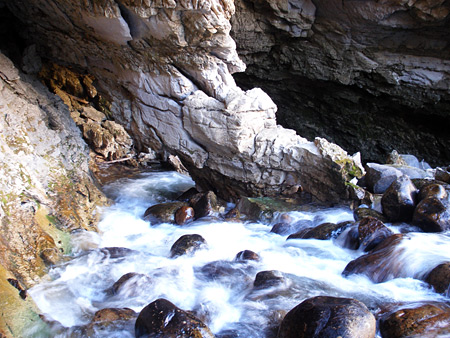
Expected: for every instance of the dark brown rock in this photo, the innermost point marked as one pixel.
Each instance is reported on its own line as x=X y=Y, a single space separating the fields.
x=328 y=317
x=266 y=279
x=132 y=283
x=206 y=205
x=233 y=215
x=247 y=255
x=371 y=232
x=187 y=195
x=113 y=314
x=439 y=277
x=429 y=319
x=432 y=214
x=399 y=200
x=323 y=231
x=161 y=318
x=164 y=212
x=187 y=244
x=432 y=190
x=361 y=213
x=184 y=215
x=381 y=264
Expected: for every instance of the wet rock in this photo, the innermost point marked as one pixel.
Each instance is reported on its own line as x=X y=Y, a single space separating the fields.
x=371 y=232
x=429 y=320
x=323 y=231
x=131 y=284
x=328 y=317
x=285 y=226
x=187 y=195
x=379 y=177
x=187 y=244
x=184 y=215
x=247 y=255
x=267 y=279
x=161 y=318
x=113 y=314
x=361 y=213
x=432 y=190
x=206 y=205
x=432 y=214
x=399 y=200
x=439 y=277
x=382 y=263
x=164 y=212
x=223 y=270
x=233 y=215
x=117 y=252
x=264 y=208
x=442 y=174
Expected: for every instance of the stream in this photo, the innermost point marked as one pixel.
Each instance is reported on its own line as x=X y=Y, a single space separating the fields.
x=228 y=302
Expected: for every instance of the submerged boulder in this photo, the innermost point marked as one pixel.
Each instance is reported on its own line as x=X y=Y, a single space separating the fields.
x=163 y=212
x=187 y=244
x=161 y=318
x=381 y=264
x=328 y=317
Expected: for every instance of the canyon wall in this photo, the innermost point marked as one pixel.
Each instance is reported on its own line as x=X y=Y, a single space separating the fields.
x=371 y=76
x=46 y=191
x=166 y=67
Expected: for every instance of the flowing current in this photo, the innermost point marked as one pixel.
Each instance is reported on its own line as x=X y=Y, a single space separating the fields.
x=228 y=303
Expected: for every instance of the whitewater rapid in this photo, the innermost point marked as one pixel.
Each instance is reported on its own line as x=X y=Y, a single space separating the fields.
x=77 y=289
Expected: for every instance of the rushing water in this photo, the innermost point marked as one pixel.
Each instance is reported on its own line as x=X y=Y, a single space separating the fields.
x=227 y=303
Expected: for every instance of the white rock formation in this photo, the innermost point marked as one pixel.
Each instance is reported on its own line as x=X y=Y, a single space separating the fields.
x=168 y=74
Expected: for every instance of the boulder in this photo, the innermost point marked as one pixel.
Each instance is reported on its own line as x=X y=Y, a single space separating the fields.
x=328 y=317
x=161 y=318
x=379 y=177
x=323 y=231
x=233 y=215
x=439 y=277
x=432 y=190
x=399 y=200
x=205 y=205
x=371 y=232
x=426 y=320
x=187 y=244
x=381 y=264
x=266 y=279
x=131 y=284
x=362 y=212
x=163 y=212
x=247 y=255
x=109 y=315
x=442 y=174
x=432 y=214
x=184 y=215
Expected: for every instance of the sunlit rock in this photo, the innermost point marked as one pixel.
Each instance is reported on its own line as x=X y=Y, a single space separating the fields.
x=162 y=318
x=328 y=317
x=423 y=319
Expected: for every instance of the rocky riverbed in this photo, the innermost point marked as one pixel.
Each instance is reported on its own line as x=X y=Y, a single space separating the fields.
x=125 y=85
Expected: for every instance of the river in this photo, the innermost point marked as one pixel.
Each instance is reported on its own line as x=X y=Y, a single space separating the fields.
x=230 y=305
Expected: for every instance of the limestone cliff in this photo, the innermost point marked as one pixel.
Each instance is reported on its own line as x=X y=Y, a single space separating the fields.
x=371 y=76
x=46 y=191
x=167 y=67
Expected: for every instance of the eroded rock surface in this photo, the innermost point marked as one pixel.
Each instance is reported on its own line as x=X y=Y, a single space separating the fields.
x=166 y=67
x=46 y=190
x=360 y=73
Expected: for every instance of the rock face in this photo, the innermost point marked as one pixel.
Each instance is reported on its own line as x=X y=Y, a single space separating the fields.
x=345 y=70
x=166 y=67
x=46 y=190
